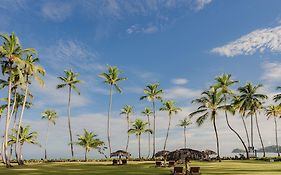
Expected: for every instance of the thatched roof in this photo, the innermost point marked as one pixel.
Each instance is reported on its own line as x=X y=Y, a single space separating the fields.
x=209 y=152
x=120 y=153
x=162 y=153
x=181 y=154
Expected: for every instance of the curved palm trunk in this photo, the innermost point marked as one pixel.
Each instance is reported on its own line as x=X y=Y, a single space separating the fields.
x=184 y=133
x=154 y=128
x=236 y=133
x=20 y=121
x=252 y=132
x=246 y=130
x=139 y=147
x=69 y=123
x=108 y=119
x=258 y=128
x=148 y=121
x=217 y=139
x=6 y=157
x=13 y=112
x=128 y=137
x=276 y=137
x=46 y=141
x=165 y=143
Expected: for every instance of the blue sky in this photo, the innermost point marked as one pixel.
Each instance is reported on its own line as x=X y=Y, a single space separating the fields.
x=182 y=44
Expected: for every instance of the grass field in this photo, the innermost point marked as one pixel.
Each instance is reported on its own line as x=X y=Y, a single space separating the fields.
x=207 y=168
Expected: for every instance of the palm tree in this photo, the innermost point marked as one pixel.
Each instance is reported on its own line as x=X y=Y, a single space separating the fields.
x=184 y=123
x=138 y=128
x=70 y=80
x=127 y=110
x=251 y=102
x=210 y=103
x=89 y=142
x=147 y=112
x=223 y=83
x=25 y=136
x=274 y=111
x=51 y=116
x=112 y=79
x=170 y=107
x=152 y=93
x=277 y=97
x=30 y=69
x=11 y=53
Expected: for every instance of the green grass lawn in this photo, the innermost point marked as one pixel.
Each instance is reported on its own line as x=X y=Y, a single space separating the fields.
x=211 y=168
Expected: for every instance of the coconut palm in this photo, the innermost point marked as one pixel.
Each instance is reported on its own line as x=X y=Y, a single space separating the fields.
x=11 y=54
x=147 y=112
x=153 y=93
x=111 y=77
x=138 y=128
x=51 y=116
x=170 y=107
x=70 y=81
x=274 y=111
x=223 y=83
x=127 y=110
x=25 y=136
x=184 y=124
x=277 y=97
x=251 y=102
x=89 y=142
x=210 y=103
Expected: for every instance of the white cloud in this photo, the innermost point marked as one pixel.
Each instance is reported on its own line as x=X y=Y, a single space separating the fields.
x=200 y=4
x=56 y=11
x=256 y=41
x=272 y=71
x=181 y=93
x=179 y=81
x=149 y=29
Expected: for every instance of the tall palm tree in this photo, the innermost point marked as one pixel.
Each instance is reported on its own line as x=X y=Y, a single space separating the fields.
x=275 y=112
x=89 y=142
x=30 y=69
x=147 y=112
x=184 y=124
x=25 y=137
x=251 y=102
x=51 y=116
x=223 y=83
x=127 y=110
x=11 y=54
x=170 y=107
x=111 y=77
x=153 y=93
x=138 y=128
x=277 y=97
x=210 y=103
x=69 y=80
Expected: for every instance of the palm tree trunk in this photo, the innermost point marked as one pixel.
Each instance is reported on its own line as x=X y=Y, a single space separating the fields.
x=139 y=147
x=148 y=121
x=217 y=139
x=246 y=130
x=3 y=152
x=128 y=138
x=20 y=119
x=14 y=126
x=86 y=157
x=108 y=119
x=165 y=143
x=46 y=141
x=236 y=133
x=260 y=135
x=14 y=112
x=276 y=137
x=7 y=125
x=21 y=160
x=154 y=128
x=69 y=123
x=252 y=133
x=184 y=133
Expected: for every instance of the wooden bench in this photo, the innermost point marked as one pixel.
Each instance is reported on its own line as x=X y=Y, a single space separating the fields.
x=171 y=163
x=194 y=170
x=114 y=162
x=124 y=162
x=178 y=171
x=158 y=163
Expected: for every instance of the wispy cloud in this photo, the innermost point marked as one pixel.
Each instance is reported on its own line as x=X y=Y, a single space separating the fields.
x=257 y=41
x=179 y=93
x=56 y=11
x=146 y=30
x=272 y=71
x=179 y=81
x=200 y=4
